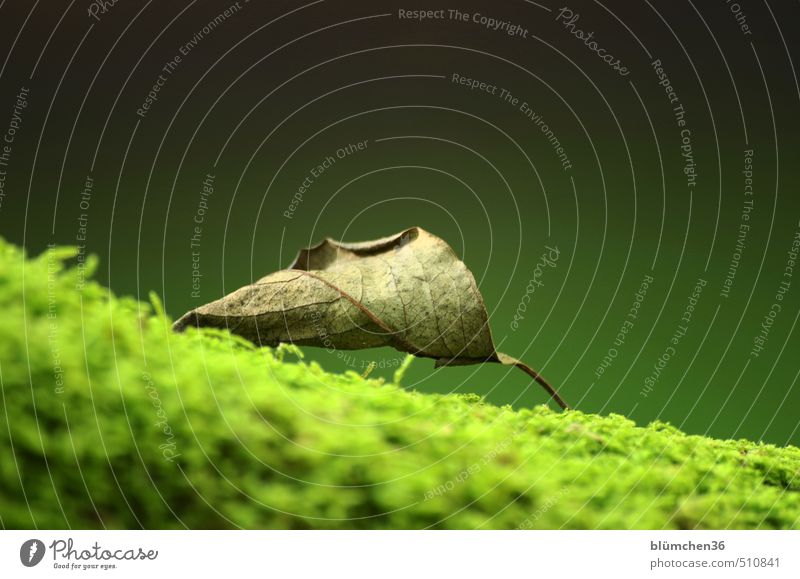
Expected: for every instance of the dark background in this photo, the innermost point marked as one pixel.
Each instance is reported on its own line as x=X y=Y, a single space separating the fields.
x=277 y=87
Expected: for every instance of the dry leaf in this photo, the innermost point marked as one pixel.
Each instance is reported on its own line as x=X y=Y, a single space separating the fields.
x=409 y=291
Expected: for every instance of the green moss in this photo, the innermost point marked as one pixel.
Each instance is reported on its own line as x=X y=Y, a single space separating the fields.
x=203 y=430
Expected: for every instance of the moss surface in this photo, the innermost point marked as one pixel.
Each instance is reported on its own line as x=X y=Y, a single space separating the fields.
x=109 y=419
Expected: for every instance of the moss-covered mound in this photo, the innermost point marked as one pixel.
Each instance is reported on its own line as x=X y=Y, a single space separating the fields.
x=109 y=419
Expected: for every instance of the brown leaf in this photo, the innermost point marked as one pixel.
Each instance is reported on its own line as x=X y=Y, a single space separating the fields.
x=409 y=291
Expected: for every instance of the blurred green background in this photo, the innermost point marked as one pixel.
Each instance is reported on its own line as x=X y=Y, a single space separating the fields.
x=268 y=92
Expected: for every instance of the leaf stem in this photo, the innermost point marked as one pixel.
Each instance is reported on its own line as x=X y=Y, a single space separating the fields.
x=544 y=383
